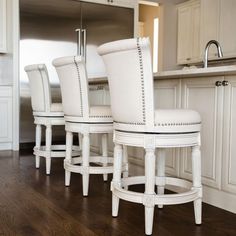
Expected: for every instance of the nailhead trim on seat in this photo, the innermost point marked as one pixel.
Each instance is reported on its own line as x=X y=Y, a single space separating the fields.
x=129 y=123
x=177 y=124
x=100 y=116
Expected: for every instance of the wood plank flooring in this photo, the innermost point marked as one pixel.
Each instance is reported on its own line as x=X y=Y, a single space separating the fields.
x=32 y=203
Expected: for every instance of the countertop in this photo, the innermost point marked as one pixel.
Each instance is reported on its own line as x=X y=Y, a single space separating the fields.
x=184 y=73
x=196 y=72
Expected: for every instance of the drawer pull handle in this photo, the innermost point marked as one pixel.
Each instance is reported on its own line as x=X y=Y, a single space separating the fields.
x=225 y=83
x=218 y=83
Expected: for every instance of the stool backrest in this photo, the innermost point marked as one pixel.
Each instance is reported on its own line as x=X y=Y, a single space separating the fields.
x=74 y=85
x=129 y=70
x=39 y=87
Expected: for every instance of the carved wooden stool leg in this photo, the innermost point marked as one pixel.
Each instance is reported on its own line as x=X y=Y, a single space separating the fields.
x=116 y=177
x=69 y=143
x=149 y=203
x=105 y=153
x=196 y=169
x=48 y=148
x=85 y=162
x=38 y=144
x=161 y=171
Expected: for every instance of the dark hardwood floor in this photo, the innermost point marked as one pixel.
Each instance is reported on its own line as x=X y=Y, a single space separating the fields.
x=32 y=203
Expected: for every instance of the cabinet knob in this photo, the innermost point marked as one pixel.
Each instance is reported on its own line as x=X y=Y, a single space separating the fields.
x=225 y=83
x=218 y=83
x=188 y=59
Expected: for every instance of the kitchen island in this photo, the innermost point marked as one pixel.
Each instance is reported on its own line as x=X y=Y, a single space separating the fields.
x=211 y=92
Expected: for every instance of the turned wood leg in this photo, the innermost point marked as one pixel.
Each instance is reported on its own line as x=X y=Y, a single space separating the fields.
x=125 y=163
x=196 y=169
x=48 y=148
x=161 y=172
x=149 y=204
x=38 y=144
x=116 y=177
x=105 y=153
x=68 y=158
x=85 y=162
x=80 y=138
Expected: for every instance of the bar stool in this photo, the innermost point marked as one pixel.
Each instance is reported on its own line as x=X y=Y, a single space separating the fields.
x=137 y=123
x=82 y=118
x=46 y=114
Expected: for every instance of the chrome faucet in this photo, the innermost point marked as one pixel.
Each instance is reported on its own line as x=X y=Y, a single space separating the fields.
x=219 y=51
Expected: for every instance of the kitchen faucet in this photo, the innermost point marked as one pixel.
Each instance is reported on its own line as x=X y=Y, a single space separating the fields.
x=219 y=50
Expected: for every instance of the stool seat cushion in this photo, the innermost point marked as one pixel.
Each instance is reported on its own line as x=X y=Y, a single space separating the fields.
x=166 y=121
x=97 y=114
x=177 y=120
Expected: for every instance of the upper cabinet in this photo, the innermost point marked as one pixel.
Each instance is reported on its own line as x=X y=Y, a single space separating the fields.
x=3 y=23
x=188 y=32
x=211 y=19
x=227 y=31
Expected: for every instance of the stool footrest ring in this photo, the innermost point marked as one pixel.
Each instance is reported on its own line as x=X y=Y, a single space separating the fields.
x=165 y=199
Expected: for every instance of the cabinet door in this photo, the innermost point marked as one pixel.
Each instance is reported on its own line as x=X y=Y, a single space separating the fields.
x=195 y=34
x=184 y=35
x=167 y=96
x=210 y=20
x=229 y=137
x=227 y=27
x=5 y=115
x=188 y=33
x=3 y=31
x=203 y=96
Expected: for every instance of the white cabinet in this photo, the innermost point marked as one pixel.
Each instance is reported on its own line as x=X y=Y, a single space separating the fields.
x=210 y=20
x=5 y=117
x=229 y=137
x=167 y=96
x=202 y=95
x=227 y=32
x=3 y=25
x=218 y=22
x=204 y=20
x=188 y=32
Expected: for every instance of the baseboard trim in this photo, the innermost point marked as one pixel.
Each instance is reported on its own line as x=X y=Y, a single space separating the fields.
x=5 y=146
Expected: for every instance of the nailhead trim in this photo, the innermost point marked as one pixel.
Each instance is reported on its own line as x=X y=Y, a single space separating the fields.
x=81 y=97
x=100 y=116
x=129 y=123
x=177 y=124
x=142 y=79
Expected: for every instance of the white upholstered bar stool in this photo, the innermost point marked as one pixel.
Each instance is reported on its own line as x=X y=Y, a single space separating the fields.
x=82 y=118
x=137 y=123
x=46 y=114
